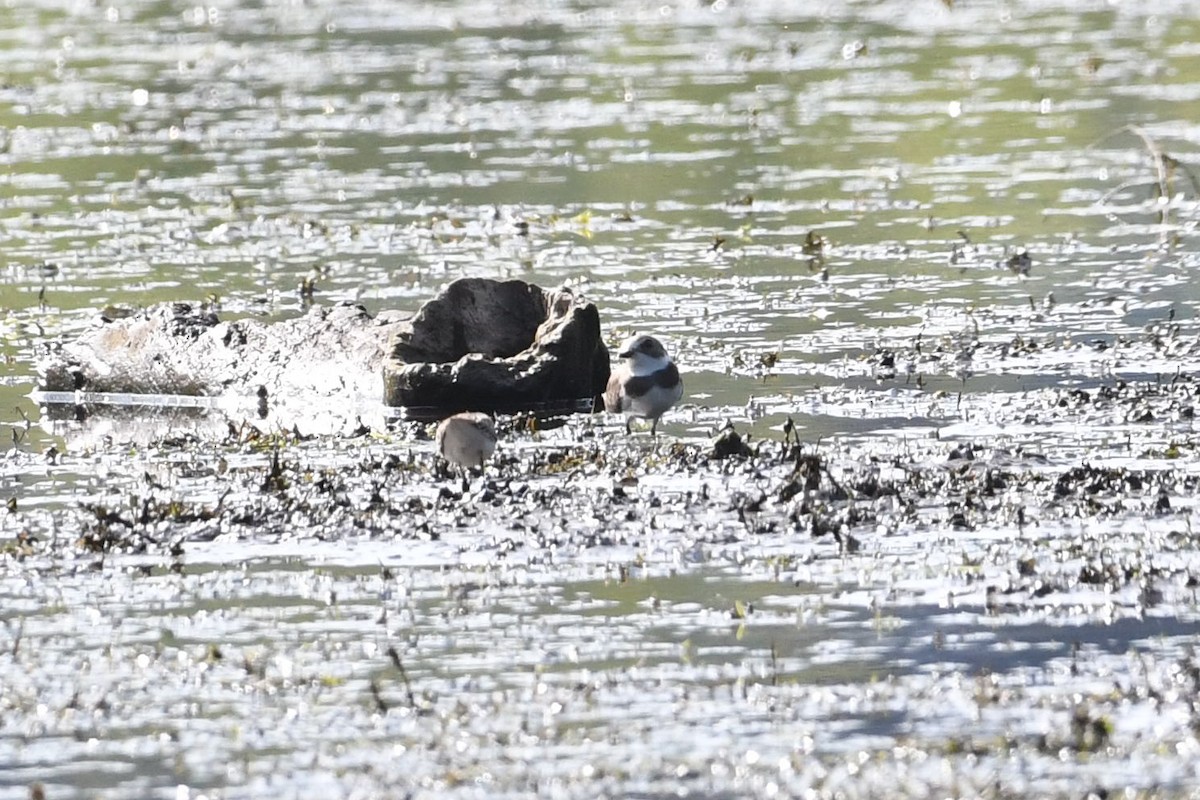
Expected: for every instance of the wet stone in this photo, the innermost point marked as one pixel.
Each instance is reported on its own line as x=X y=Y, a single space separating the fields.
x=480 y=344
x=490 y=345
x=183 y=349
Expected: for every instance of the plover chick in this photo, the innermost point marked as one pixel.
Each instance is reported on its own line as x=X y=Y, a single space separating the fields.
x=467 y=439
x=645 y=384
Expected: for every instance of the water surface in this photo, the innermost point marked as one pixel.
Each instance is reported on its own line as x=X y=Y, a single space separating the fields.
x=905 y=226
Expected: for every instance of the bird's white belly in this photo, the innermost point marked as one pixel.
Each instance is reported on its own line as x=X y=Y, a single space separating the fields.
x=653 y=403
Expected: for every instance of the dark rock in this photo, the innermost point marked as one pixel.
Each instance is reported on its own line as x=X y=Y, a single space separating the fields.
x=491 y=345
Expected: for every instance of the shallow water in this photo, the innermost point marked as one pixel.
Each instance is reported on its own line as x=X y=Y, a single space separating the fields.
x=823 y=212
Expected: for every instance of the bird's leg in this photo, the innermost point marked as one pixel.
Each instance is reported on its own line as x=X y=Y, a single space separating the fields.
x=654 y=427
x=628 y=430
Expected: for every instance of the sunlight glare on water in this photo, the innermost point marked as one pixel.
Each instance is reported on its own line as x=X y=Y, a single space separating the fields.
x=888 y=222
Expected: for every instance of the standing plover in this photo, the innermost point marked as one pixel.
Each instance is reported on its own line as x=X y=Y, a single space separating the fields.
x=645 y=384
x=467 y=439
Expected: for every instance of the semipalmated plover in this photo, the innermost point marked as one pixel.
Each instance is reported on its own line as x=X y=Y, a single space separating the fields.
x=645 y=384
x=467 y=439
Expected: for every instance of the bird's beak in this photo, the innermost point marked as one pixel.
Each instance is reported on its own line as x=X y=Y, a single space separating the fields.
x=626 y=354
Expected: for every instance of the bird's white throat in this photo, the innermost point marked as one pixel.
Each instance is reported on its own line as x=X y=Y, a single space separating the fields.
x=645 y=365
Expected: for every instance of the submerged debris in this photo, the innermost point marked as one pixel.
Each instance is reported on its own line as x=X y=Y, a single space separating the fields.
x=255 y=487
x=729 y=444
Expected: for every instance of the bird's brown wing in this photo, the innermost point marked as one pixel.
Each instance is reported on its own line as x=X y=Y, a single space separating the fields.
x=612 y=394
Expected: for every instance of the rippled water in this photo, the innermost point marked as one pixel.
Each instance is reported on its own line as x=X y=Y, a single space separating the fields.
x=672 y=162
x=784 y=194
